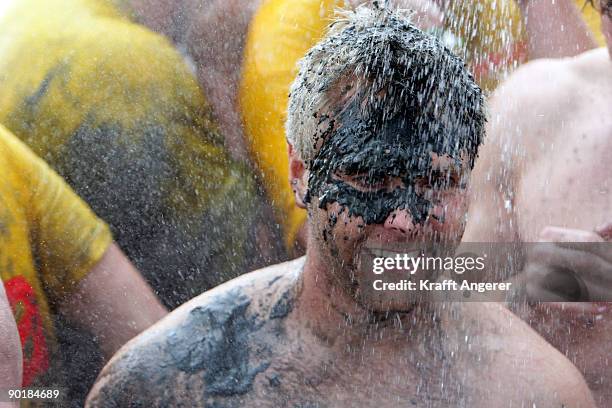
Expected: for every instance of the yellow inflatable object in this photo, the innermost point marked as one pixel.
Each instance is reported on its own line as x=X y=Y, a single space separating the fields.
x=280 y=34
x=489 y=37
x=49 y=241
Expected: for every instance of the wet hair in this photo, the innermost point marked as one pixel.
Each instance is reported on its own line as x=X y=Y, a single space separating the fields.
x=377 y=51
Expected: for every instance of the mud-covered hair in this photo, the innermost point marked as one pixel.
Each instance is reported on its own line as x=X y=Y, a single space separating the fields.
x=381 y=49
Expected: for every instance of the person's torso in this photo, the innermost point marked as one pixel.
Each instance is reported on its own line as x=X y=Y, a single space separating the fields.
x=567 y=176
x=567 y=182
x=243 y=345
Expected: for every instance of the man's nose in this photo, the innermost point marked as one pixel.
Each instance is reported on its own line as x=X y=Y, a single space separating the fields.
x=401 y=221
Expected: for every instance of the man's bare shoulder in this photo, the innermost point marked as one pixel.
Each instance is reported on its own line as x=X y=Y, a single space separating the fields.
x=205 y=348
x=535 y=104
x=524 y=359
x=591 y=66
x=545 y=84
x=535 y=85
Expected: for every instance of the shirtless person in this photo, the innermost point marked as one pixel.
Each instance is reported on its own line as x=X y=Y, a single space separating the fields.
x=384 y=124
x=545 y=174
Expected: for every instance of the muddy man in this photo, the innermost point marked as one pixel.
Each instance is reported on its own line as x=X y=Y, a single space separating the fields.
x=384 y=124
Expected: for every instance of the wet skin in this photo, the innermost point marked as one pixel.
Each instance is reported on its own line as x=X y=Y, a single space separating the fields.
x=555 y=166
x=248 y=343
x=303 y=334
x=578 y=195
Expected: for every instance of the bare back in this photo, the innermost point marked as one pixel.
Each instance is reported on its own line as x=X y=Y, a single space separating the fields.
x=566 y=180
x=546 y=162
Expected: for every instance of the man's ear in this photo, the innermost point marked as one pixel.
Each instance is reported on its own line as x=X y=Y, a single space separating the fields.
x=298 y=176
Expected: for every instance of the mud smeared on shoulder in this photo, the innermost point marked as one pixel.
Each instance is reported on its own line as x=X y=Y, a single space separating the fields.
x=225 y=340
x=214 y=340
x=214 y=355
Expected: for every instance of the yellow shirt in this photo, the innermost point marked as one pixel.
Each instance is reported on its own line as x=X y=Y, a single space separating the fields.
x=49 y=240
x=283 y=30
x=115 y=109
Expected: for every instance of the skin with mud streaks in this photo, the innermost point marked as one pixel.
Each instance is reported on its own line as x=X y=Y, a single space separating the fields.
x=306 y=333
x=231 y=348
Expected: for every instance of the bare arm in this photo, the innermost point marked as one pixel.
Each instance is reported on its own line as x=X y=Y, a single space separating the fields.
x=10 y=349
x=493 y=180
x=215 y=39
x=113 y=301
x=555 y=29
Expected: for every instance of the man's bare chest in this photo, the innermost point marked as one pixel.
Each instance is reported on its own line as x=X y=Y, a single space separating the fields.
x=317 y=380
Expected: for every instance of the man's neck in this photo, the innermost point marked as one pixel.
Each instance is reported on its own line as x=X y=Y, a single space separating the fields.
x=332 y=313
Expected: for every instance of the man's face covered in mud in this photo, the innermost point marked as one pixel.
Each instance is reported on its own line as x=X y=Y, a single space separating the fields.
x=383 y=177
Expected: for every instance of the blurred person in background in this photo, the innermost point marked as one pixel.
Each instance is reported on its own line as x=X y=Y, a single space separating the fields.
x=559 y=28
x=545 y=175
x=57 y=258
x=10 y=352
x=116 y=110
